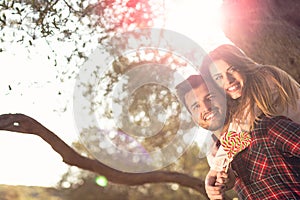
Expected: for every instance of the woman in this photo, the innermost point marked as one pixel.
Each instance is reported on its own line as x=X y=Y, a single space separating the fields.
x=252 y=89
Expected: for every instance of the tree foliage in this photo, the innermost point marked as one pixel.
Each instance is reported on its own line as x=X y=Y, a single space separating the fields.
x=46 y=18
x=83 y=23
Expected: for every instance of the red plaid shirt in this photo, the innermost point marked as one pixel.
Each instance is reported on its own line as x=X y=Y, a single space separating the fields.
x=270 y=167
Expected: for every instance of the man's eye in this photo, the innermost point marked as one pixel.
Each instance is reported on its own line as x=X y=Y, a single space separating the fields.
x=211 y=97
x=196 y=107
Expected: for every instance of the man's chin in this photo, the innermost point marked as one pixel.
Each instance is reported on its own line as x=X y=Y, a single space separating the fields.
x=216 y=126
x=213 y=124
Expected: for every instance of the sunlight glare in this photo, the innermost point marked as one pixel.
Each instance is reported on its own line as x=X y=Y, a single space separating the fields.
x=199 y=20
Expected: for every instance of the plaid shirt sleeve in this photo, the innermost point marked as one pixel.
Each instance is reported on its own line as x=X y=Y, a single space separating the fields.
x=285 y=135
x=270 y=167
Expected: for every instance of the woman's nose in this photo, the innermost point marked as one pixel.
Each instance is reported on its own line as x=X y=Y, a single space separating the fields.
x=229 y=78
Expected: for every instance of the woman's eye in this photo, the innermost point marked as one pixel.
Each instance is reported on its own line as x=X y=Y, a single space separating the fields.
x=231 y=69
x=219 y=77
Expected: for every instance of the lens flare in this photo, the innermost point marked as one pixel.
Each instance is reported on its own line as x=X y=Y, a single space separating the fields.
x=101 y=181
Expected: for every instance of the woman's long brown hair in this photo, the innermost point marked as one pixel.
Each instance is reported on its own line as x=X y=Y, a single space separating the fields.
x=268 y=90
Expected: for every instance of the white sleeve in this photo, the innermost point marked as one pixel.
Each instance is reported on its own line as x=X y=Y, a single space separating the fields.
x=219 y=161
x=210 y=159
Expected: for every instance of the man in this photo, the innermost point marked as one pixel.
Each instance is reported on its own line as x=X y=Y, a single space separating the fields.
x=269 y=168
x=207 y=106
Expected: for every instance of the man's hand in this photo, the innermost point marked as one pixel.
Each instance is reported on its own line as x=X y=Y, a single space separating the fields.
x=222 y=178
x=215 y=184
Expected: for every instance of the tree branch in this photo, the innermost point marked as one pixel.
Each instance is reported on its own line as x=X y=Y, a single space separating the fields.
x=23 y=124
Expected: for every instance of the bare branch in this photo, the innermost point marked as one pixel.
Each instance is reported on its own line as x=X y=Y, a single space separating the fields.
x=24 y=124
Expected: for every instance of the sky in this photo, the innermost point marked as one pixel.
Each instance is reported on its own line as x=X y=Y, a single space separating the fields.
x=26 y=85
x=27 y=159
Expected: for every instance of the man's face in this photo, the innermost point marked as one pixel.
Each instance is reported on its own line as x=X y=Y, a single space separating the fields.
x=208 y=107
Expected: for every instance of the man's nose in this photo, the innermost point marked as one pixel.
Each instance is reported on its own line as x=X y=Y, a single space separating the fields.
x=205 y=106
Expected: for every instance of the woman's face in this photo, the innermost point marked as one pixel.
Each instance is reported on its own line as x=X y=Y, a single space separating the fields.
x=228 y=78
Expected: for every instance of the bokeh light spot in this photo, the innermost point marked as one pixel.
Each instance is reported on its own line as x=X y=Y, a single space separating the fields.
x=101 y=181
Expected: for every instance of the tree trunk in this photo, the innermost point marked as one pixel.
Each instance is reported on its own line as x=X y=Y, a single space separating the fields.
x=267 y=30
